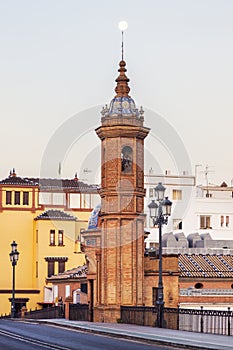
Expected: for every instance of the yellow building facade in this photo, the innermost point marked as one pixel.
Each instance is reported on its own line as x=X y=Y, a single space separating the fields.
x=45 y=218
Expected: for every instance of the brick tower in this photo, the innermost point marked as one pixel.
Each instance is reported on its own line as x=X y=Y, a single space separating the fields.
x=120 y=268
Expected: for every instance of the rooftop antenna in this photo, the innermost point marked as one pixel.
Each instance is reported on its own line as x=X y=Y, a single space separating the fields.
x=206 y=172
x=86 y=170
x=123 y=25
x=59 y=168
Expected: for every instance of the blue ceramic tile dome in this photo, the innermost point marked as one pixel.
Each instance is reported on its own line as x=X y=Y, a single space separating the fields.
x=123 y=106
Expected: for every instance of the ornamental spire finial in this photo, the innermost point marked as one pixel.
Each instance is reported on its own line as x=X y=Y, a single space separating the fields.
x=122 y=89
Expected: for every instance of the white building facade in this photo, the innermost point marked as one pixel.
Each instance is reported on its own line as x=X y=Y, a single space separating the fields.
x=195 y=208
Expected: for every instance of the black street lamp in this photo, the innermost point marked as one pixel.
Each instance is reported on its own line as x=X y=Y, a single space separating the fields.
x=14 y=257
x=159 y=214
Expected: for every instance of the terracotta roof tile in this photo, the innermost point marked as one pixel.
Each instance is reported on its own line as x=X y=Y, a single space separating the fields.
x=63 y=184
x=16 y=180
x=200 y=265
x=54 y=214
x=75 y=273
x=51 y=184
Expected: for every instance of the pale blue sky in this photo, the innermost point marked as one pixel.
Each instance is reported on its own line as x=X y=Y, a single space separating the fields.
x=60 y=57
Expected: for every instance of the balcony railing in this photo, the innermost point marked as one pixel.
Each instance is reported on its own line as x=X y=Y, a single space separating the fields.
x=209 y=292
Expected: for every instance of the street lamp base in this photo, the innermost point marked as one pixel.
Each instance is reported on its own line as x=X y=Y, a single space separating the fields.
x=160 y=322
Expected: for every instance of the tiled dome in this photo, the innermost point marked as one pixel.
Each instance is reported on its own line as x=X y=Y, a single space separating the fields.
x=123 y=106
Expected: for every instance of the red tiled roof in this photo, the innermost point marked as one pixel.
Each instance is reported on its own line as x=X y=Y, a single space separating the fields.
x=63 y=184
x=16 y=180
x=54 y=214
x=75 y=273
x=51 y=184
x=200 y=265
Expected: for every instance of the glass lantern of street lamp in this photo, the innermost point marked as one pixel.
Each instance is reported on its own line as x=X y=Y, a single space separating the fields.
x=159 y=191
x=153 y=208
x=14 y=254
x=167 y=206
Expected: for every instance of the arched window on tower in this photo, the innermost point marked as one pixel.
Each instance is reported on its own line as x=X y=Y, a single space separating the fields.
x=126 y=159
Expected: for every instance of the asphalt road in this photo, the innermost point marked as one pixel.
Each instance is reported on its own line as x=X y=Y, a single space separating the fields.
x=17 y=335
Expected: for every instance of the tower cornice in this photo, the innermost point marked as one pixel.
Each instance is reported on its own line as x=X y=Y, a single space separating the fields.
x=139 y=132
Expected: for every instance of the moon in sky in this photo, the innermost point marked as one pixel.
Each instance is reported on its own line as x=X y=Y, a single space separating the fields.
x=123 y=25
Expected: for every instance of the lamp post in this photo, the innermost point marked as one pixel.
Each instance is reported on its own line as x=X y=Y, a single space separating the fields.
x=159 y=214
x=14 y=257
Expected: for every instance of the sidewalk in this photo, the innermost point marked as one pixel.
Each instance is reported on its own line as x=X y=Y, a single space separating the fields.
x=150 y=334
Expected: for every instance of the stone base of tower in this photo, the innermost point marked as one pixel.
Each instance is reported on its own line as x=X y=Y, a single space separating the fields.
x=109 y=314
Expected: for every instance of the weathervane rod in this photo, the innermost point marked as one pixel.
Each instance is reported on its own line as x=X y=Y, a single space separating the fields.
x=122 y=45
x=123 y=25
